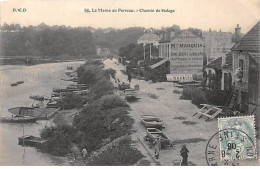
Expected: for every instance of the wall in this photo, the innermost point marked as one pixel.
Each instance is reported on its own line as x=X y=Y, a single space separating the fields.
x=186 y=53
x=217 y=43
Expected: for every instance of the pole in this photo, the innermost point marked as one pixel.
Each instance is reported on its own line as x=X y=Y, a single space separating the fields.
x=150 y=50
x=144 y=50
x=1 y=110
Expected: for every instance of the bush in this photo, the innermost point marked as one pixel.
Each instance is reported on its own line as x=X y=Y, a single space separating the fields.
x=198 y=97
x=103 y=87
x=121 y=154
x=187 y=93
x=111 y=72
x=218 y=97
x=58 y=140
x=70 y=101
x=112 y=101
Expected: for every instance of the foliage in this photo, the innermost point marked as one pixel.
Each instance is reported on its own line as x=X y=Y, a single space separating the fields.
x=70 y=101
x=198 y=96
x=111 y=72
x=118 y=155
x=112 y=101
x=58 y=138
x=44 y=40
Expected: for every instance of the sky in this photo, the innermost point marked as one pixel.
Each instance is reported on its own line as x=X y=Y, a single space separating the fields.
x=202 y=14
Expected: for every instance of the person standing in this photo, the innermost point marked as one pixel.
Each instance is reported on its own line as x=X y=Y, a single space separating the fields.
x=184 y=153
x=84 y=153
x=129 y=78
x=157 y=147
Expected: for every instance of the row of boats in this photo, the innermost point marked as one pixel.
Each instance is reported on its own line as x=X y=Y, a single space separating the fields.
x=17 y=83
x=154 y=127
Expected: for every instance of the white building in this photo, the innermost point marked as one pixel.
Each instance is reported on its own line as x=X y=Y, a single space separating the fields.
x=185 y=51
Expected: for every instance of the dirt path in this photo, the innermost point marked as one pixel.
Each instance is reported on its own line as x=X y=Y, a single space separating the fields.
x=180 y=125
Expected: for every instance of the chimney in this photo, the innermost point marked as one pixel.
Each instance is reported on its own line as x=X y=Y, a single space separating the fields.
x=237 y=30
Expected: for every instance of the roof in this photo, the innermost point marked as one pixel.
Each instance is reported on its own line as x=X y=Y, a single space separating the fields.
x=167 y=38
x=256 y=56
x=149 y=37
x=158 y=63
x=251 y=40
x=217 y=64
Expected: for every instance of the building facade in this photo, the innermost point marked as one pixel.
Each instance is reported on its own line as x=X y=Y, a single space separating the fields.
x=185 y=51
x=102 y=51
x=217 y=44
x=222 y=66
x=246 y=60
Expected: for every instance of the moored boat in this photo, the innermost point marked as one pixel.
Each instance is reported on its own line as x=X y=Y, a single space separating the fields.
x=14 y=84
x=153 y=134
x=37 y=97
x=31 y=140
x=24 y=119
x=20 y=82
x=151 y=121
x=39 y=113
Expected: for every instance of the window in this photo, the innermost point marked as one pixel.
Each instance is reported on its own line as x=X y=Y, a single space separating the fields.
x=241 y=64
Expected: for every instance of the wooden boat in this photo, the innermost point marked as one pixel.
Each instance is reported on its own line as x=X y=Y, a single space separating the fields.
x=151 y=121
x=16 y=119
x=52 y=104
x=31 y=140
x=39 y=113
x=64 y=90
x=153 y=134
x=20 y=82
x=130 y=95
x=55 y=94
x=82 y=92
x=14 y=84
x=123 y=86
x=37 y=97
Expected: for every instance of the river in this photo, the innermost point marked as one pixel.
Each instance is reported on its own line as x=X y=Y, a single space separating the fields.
x=38 y=80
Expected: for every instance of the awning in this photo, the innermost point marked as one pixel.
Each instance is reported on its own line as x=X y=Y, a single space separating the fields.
x=158 y=63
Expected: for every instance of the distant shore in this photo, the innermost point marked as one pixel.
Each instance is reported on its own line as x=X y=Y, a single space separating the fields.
x=25 y=61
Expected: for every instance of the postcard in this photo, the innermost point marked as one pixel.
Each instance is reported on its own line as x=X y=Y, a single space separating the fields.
x=129 y=82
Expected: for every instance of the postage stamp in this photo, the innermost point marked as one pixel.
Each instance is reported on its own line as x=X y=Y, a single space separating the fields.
x=237 y=138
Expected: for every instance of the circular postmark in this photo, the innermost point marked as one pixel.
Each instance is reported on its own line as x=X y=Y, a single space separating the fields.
x=228 y=145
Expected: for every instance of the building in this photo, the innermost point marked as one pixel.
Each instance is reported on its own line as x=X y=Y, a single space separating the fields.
x=149 y=38
x=223 y=67
x=246 y=60
x=185 y=51
x=102 y=51
x=152 y=39
x=217 y=44
x=237 y=36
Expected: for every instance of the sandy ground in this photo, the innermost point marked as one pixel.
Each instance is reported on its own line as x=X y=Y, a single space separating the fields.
x=169 y=108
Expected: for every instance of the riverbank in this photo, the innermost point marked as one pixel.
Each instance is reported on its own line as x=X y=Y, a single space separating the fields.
x=95 y=125
x=29 y=62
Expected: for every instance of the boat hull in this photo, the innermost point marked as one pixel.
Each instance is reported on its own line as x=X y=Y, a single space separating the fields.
x=31 y=141
x=18 y=119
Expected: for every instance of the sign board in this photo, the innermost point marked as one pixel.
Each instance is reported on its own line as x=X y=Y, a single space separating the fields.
x=179 y=77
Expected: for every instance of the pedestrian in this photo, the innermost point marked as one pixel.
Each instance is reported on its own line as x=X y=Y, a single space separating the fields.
x=129 y=78
x=157 y=147
x=84 y=153
x=184 y=153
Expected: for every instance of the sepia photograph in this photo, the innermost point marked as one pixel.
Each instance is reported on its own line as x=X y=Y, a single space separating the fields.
x=129 y=82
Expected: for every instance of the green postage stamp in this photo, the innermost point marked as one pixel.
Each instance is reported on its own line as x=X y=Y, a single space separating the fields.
x=237 y=138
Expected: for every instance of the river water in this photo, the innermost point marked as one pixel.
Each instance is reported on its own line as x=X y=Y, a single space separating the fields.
x=38 y=80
